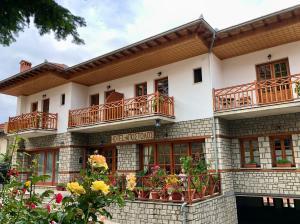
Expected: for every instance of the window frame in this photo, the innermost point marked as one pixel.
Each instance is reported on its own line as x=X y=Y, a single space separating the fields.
x=160 y=79
x=282 y=147
x=271 y=63
x=37 y=106
x=55 y=174
x=136 y=89
x=194 y=75
x=242 y=151
x=172 y=158
x=62 y=99
x=91 y=97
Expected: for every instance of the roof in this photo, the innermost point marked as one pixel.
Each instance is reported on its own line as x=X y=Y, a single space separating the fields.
x=188 y=40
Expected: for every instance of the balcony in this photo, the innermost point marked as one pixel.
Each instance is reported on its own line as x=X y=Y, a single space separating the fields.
x=33 y=124
x=125 y=113
x=184 y=188
x=258 y=98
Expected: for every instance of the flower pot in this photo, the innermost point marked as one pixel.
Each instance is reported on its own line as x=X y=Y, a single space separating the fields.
x=186 y=194
x=176 y=196
x=155 y=195
x=251 y=165
x=60 y=188
x=284 y=165
x=136 y=194
x=144 y=194
x=165 y=196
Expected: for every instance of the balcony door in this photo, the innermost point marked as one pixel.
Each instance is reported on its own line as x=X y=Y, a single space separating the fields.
x=274 y=82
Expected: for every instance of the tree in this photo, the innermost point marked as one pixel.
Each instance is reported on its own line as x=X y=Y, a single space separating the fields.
x=46 y=15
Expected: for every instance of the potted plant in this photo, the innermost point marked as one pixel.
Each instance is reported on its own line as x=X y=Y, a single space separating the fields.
x=297 y=88
x=173 y=184
x=61 y=187
x=283 y=163
x=251 y=164
x=187 y=173
x=157 y=103
x=157 y=182
x=144 y=192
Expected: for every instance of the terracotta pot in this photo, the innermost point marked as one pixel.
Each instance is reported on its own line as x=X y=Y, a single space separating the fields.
x=186 y=194
x=284 y=165
x=59 y=188
x=155 y=195
x=251 y=165
x=176 y=196
x=165 y=196
x=144 y=194
x=136 y=194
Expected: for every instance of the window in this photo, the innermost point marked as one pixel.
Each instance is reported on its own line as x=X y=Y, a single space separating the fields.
x=47 y=165
x=162 y=86
x=141 y=89
x=270 y=70
x=197 y=75
x=167 y=155
x=63 y=99
x=249 y=153
x=94 y=99
x=46 y=105
x=34 y=107
x=282 y=150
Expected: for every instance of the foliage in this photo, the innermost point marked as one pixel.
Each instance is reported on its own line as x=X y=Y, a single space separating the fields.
x=283 y=161
x=187 y=164
x=87 y=202
x=297 y=88
x=46 y=15
x=157 y=177
x=173 y=184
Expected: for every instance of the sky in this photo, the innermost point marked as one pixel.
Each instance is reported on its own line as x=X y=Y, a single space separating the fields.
x=112 y=24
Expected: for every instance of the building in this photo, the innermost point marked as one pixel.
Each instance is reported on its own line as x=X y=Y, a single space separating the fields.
x=230 y=96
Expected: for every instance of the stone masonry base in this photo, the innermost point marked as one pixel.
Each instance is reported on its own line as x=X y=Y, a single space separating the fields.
x=218 y=210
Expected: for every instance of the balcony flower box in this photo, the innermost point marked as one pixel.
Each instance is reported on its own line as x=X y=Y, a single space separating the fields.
x=283 y=163
x=250 y=165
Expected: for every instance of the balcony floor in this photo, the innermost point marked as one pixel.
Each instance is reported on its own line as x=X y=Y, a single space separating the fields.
x=122 y=124
x=33 y=133
x=261 y=110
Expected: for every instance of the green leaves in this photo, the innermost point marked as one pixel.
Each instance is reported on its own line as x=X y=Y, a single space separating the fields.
x=47 y=16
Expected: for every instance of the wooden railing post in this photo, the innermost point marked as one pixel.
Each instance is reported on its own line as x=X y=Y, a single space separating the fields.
x=157 y=101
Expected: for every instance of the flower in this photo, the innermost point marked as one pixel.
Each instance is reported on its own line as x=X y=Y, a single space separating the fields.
x=13 y=172
x=27 y=184
x=32 y=206
x=48 y=208
x=75 y=188
x=98 y=161
x=58 y=198
x=131 y=181
x=100 y=185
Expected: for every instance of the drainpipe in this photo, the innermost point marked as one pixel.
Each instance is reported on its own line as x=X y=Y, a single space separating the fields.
x=183 y=211
x=214 y=142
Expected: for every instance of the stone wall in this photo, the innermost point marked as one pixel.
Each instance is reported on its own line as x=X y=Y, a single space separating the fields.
x=218 y=210
x=267 y=182
x=128 y=158
x=265 y=125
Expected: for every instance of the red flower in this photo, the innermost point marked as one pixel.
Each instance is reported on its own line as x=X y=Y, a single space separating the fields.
x=13 y=172
x=58 y=198
x=32 y=206
x=48 y=208
x=24 y=190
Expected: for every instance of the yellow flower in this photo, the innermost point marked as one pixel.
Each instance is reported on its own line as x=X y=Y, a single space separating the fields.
x=98 y=161
x=75 y=188
x=99 y=185
x=172 y=180
x=131 y=181
x=27 y=184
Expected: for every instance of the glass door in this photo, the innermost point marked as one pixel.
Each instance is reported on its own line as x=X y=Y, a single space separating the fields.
x=274 y=82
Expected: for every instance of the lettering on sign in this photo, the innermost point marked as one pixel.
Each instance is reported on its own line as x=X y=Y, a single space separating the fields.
x=132 y=137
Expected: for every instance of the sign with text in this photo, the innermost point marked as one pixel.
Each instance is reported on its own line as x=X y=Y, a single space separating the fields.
x=132 y=137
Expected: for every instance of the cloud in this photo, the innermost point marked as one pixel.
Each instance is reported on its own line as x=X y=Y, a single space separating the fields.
x=114 y=24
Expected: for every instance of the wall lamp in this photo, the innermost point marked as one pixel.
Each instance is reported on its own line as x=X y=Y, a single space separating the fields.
x=157 y=123
x=269 y=56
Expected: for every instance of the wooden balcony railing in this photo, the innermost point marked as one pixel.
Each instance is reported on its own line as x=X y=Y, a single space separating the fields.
x=189 y=189
x=32 y=121
x=256 y=93
x=152 y=104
